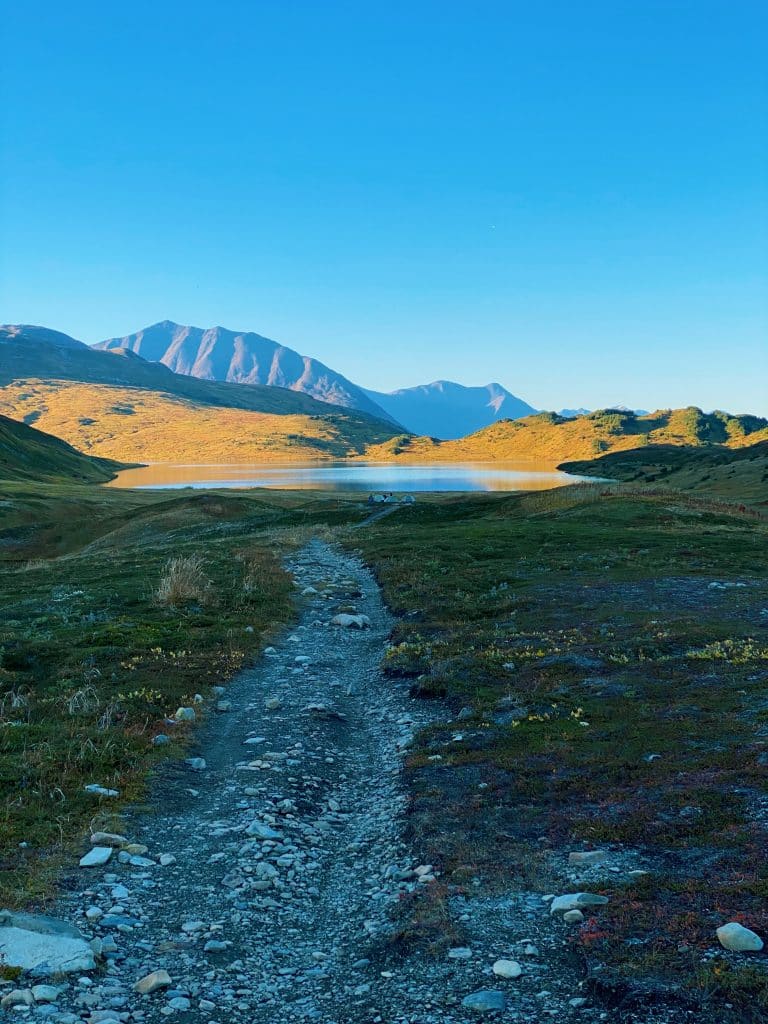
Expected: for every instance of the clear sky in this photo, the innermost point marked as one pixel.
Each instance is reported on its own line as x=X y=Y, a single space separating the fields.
x=570 y=198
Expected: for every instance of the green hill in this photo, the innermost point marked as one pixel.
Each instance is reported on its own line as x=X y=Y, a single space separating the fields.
x=29 y=454
x=737 y=473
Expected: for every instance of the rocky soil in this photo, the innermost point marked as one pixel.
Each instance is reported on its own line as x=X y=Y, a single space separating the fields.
x=262 y=885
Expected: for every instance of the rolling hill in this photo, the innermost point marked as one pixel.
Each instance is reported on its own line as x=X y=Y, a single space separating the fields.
x=727 y=472
x=242 y=357
x=118 y=405
x=447 y=410
x=550 y=439
x=29 y=454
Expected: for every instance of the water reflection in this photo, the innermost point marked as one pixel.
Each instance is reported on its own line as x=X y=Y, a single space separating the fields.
x=352 y=476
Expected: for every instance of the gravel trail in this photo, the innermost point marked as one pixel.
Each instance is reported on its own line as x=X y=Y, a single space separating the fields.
x=284 y=856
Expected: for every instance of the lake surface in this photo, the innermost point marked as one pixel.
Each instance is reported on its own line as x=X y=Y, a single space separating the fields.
x=352 y=476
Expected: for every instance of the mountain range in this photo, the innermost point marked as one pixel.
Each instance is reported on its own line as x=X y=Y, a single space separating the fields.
x=117 y=405
x=447 y=410
x=442 y=409
x=242 y=357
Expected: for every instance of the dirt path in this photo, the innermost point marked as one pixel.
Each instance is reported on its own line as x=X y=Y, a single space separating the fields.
x=289 y=857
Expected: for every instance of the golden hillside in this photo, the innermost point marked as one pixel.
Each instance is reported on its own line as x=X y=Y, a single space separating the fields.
x=139 y=425
x=549 y=439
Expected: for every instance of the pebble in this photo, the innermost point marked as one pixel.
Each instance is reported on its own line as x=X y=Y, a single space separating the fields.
x=485 y=1001
x=152 y=982
x=507 y=969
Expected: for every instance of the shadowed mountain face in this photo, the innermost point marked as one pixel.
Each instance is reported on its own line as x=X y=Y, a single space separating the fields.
x=447 y=410
x=29 y=454
x=216 y=353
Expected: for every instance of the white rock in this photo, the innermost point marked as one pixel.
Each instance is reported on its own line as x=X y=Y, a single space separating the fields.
x=196 y=764
x=185 y=715
x=576 y=901
x=573 y=916
x=739 y=939
x=45 y=993
x=507 y=969
x=165 y=859
x=460 y=953
x=43 y=944
x=94 y=787
x=351 y=621
x=17 y=997
x=96 y=856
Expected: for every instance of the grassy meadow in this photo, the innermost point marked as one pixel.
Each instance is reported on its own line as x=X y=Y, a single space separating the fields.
x=608 y=652
x=116 y=608
x=606 y=646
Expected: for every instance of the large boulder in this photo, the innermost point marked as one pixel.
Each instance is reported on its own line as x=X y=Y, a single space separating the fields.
x=739 y=939
x=43 y=945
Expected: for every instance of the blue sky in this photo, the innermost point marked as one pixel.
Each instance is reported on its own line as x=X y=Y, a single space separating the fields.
x=569 y=198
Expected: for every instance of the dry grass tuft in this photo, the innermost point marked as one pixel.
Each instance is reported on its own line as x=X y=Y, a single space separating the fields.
x=183 y=582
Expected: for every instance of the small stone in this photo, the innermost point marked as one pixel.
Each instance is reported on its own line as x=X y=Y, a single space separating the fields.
x=161 y=740
x=577 y=1002
x=485 y=1001
x=460 y=953
x=351 y=621
x=107 y=839
x=507 y=969
x=573 y=916
x=261 y=831
x=17 y=997
x=196 y=764
x=152 y=982
x=96 y=856
x=190 y=927
x=273 y=704
x=45 y=993
x=587 y=857
x=136 y=849
x=739 y=939
x=179 y=1003
x=165 y=859
x=185 y=715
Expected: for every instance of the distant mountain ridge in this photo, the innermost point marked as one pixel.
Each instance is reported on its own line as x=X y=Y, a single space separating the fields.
x=242 y=357
x=448 y=410
x=118 y=405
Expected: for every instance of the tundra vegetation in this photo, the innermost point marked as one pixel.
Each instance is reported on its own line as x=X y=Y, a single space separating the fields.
x=600 y=654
